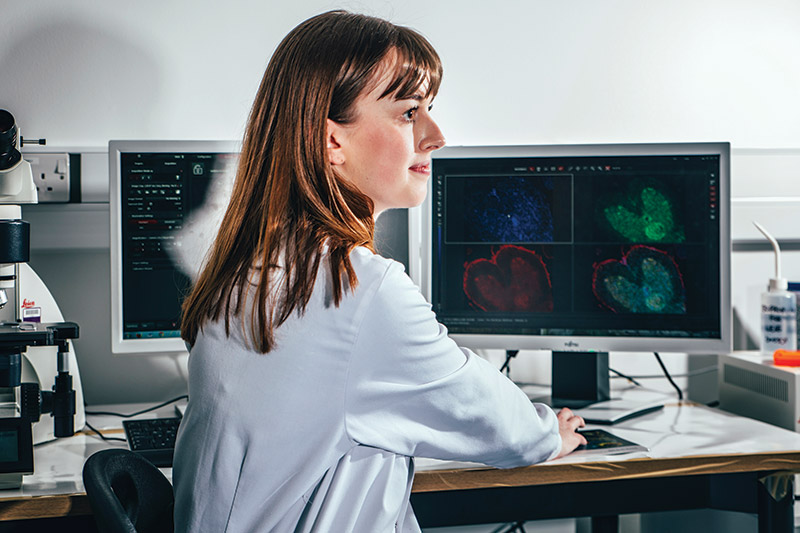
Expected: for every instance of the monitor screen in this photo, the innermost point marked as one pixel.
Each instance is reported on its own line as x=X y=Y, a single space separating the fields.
x=580 y=248
x=167 y=198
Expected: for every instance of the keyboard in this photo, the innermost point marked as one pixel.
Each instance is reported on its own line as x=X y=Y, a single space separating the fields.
x=153 y=438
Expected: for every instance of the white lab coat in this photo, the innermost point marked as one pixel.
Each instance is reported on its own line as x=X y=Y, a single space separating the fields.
x=318 y=435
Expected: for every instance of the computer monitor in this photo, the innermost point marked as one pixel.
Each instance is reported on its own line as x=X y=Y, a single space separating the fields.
x=166 y=201
x=579 y=248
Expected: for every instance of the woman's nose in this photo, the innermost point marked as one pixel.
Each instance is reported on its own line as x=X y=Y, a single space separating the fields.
x=432 y=138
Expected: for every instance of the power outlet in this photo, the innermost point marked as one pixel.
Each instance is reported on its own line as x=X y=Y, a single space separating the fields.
x=50 y=175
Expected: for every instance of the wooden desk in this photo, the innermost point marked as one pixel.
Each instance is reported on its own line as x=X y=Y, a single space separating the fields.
x=699 y=457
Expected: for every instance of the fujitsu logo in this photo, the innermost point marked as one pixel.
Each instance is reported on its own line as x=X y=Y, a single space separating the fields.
x=571 y=344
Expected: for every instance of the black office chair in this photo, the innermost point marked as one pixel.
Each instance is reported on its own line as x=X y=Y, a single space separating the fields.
x=127 y=493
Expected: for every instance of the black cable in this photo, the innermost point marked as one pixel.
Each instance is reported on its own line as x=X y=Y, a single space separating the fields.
x=629 y=378
x=88 y=425
x=666 y=373
x=122 y=415
x=510 y=354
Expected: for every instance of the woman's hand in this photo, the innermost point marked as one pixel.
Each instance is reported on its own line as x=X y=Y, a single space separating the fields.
x=568 y=424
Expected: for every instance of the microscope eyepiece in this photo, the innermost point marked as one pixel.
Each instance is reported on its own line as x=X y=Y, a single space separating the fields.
x=9 y=155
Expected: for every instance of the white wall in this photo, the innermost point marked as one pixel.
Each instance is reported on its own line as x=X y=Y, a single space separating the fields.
x=525 y=71
x=516 y=71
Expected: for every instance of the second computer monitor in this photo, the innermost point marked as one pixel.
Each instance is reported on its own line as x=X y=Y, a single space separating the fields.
x=167 y=200
x=580 y=248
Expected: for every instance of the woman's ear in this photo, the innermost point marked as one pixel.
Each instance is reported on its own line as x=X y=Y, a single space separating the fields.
x=334 y=146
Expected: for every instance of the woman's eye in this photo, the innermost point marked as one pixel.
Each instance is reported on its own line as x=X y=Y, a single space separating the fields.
x=410 y=114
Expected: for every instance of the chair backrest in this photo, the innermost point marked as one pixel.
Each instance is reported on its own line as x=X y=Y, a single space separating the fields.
x=127 y=493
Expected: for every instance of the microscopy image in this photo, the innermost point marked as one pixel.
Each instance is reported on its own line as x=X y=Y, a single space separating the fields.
x=643 y=280
x=514 y=209
x=641 y=213
x=514 y=279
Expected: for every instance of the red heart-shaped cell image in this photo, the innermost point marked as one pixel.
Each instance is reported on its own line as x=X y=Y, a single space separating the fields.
x=514 y=279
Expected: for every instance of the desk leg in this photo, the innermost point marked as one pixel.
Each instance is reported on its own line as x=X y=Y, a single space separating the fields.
x=776 y=504
x=605 y=524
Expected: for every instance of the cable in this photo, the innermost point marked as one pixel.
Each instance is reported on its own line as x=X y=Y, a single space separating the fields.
x=510 y=354
x=666 y=373
x=123 y=415
x=88 y=425
x=693 y=373
x=629 y=378
x=110 y=413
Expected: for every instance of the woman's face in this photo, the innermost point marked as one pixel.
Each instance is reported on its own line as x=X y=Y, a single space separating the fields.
x=386 y=150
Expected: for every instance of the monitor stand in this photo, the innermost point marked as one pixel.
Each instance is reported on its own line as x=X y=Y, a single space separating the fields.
x=579 y=379
x=581 y=382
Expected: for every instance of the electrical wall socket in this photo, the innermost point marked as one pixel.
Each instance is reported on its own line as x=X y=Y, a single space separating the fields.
x=50 y=175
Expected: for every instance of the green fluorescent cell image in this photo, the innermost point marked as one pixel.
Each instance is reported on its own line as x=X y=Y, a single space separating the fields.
x=645 y=215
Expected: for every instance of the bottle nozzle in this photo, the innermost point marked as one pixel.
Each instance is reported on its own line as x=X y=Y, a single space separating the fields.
x=778 y=283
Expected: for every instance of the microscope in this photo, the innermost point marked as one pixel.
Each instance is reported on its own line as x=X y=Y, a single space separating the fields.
x=22 y=404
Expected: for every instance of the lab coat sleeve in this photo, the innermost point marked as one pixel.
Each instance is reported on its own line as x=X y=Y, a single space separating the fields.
x=413 y=391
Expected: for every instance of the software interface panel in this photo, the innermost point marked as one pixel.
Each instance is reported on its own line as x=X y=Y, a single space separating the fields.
x=163 y=226
x=577 y=246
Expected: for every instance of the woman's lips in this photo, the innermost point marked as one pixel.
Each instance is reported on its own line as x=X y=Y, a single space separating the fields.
x=422 y=168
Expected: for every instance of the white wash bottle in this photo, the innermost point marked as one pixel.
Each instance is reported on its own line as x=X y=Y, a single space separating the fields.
x=778 y=308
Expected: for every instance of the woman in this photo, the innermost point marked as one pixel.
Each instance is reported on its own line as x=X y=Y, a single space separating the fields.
x=317 y=370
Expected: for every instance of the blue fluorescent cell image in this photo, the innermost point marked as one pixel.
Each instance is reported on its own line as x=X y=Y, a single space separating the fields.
x=511 y=210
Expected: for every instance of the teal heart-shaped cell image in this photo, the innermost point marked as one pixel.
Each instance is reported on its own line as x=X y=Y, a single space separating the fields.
x=643 y=280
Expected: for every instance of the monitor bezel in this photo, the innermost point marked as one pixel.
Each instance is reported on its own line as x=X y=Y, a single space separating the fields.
x=420 y=237
x=120 y=345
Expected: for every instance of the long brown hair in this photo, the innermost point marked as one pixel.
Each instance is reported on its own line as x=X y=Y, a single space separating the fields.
x=287 y=204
